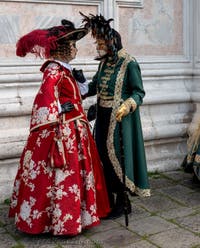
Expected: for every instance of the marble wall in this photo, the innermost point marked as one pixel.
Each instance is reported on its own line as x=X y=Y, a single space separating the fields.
x=162 y=35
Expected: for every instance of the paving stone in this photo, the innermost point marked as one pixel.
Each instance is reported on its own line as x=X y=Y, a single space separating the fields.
x=159 y=182
x=190 y=184
x=2 y=230
x=191 y=222
x=142 y=244
x=49 y=241
x=4 y=215
x=77 y=241
x=35 y=241
x=137 y=213
x=120 y=237
x=104 y=226
x=157 y=203
x=174 y=197
x=177 y=212
x=178 y=175
x=175 y=238
x=176 y=190
x=189 y=200
x=6 y=241
x=150 y=225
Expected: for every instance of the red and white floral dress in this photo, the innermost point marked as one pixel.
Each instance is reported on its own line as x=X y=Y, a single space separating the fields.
x=59 y=187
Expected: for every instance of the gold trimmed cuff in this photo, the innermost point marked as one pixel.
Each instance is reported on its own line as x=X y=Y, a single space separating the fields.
x=130 y=104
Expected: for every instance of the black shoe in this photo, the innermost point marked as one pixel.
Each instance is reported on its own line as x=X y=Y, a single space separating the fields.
x=118 y=212
x=119 y=208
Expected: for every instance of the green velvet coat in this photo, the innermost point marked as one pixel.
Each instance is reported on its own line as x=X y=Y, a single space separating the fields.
x=113 y=84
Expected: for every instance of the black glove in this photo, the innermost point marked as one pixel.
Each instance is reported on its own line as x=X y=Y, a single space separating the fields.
x=92 y=112
x=78 y=75
x=67 y=107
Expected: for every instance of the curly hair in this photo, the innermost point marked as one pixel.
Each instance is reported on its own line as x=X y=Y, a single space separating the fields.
x=62 y=50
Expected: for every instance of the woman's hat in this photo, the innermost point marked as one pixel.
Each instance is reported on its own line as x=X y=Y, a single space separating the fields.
x=42 y=41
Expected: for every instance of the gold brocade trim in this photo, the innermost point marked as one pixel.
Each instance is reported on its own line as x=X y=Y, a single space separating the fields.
x=109 y=71
x=142 y=192
x=105 y=78
x=65 y=120
x=105 y=97
x=104 y=86
x=132 y=105
x=124 y=54
x=44 y=124
x=116 y=103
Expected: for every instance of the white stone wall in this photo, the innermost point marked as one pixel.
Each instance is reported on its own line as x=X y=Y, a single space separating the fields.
x=162 y=35
x=196 y=68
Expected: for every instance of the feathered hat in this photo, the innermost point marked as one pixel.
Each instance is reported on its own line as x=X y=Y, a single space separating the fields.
x=101 y=29
x=42 y=41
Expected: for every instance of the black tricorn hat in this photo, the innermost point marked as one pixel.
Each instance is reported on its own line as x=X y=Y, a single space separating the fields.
x=41 y=41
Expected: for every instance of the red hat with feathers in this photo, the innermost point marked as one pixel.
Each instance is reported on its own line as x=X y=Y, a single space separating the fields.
x=41 y=41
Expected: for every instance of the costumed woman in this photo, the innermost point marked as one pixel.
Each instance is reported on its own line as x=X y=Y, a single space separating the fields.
x=59 y=187
x=118 y=132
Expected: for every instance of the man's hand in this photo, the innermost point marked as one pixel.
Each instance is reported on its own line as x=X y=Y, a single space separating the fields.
x=125 y=108
x=122 y=111
x=67 y=107
x=78 y=75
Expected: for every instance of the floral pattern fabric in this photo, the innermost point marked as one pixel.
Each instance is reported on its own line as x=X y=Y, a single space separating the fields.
x=63 y=200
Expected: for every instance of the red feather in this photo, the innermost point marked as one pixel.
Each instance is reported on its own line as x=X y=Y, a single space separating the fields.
x=37 y=42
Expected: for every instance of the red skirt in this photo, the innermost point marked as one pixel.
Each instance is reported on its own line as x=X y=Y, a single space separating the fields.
x=59 y=187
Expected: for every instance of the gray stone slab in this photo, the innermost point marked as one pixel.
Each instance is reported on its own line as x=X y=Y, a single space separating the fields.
x=137 y=213
x=119 y=237
x=150 y=225
x=104 y=226
x=177 y=212
x=6 y=241
x=157 y=203
x=176 y=190
x=191 y=184
x=157 y=181
x=47 y=240
x=176 y=238
x=174 y=197
x=13 y=231
x=190 y=200
x=191 y=222
x=142 y=244
x=2 y=230
x=178 y=175
x=35 y=241
x=4 y=215
x=77 y=241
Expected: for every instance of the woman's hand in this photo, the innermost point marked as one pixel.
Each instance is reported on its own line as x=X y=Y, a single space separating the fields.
x=79 y=76
x=66 y=107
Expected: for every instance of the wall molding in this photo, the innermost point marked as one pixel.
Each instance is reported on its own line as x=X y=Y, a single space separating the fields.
x=110 y=9
x=78 y=2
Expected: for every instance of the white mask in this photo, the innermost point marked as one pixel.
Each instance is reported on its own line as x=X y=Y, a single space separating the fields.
x=102 y=53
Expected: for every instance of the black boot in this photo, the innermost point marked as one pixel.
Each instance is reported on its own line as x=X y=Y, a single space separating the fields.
x=122 y=204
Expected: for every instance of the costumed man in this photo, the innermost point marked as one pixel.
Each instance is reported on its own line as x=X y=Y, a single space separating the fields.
x=118 y=132
x=59 y=186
